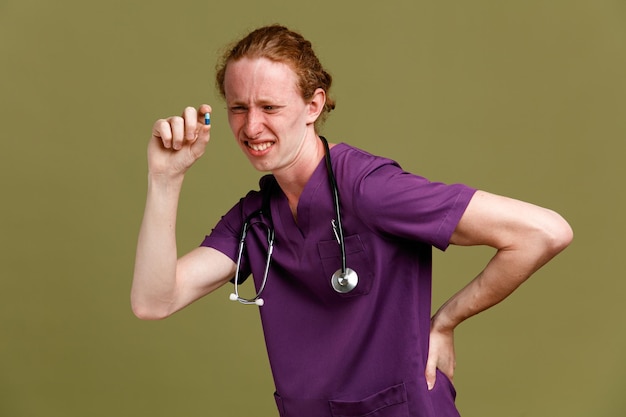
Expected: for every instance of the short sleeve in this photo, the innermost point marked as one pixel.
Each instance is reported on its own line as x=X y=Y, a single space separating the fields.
x=225 y=235
x=408 y=206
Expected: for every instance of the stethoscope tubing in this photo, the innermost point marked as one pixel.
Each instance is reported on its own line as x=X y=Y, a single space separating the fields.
x=270 y=248
x=335 y=194
x=342 y=281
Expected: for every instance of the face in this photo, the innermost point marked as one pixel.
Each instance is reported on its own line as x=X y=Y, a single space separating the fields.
x=270 y=120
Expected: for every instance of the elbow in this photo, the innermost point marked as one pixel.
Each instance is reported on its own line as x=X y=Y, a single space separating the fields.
x=144 y=311
x=559 y=234
x=145 y=314
x=147 y=305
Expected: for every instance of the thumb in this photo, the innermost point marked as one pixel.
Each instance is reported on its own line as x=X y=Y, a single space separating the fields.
x=431 y=373
x=204 y=130
x=198 y=145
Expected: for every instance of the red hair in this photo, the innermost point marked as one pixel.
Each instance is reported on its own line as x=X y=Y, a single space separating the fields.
x=279 y=44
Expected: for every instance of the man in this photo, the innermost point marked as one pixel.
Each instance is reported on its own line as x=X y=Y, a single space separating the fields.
x=333 y=352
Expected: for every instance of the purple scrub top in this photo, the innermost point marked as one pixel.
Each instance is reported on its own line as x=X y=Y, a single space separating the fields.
x=363 y=352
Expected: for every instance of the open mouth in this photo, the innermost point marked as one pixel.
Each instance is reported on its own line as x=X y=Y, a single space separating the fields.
x=259 y=147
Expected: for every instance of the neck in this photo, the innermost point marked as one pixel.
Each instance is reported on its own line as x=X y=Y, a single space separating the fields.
x=294 y=178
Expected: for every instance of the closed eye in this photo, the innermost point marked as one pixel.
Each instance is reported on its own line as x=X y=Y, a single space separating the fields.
x=237 y=109
x=271 y=108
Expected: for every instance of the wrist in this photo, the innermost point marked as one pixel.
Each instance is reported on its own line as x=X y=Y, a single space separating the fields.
x=164 y=187
x=441 y=323
x=165 y=180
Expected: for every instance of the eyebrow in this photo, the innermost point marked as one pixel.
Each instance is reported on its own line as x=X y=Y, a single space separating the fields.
x=259 y=102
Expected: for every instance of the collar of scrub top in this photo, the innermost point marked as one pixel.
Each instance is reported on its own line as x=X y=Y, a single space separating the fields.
x=343 y=280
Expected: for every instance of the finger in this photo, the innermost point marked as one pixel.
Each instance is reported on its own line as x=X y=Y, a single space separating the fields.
x=177 y=124
x=163 y=131
x=191 y=122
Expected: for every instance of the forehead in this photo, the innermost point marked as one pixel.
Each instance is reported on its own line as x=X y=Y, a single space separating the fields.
x=249 y=78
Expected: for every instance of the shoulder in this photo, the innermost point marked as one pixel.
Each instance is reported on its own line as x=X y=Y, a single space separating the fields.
x=248 y=204
x=356 y=163
x=397 y=202
x=255 y=198
x=344 y=151
x=366 y=173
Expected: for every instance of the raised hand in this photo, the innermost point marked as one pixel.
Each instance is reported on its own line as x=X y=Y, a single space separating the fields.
x=178 y=142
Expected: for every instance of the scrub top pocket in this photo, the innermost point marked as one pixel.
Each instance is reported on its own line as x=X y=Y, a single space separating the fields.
x=390 y=402
x=356 y=259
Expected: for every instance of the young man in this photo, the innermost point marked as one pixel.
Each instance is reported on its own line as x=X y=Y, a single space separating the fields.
x=336 y=348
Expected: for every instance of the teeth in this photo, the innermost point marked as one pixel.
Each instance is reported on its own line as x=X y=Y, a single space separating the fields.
x=260 y=146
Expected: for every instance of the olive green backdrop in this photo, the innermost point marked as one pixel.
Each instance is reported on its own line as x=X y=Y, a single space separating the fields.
x=525 y=99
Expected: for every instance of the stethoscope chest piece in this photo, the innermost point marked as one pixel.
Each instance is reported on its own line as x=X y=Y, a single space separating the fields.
x=344 y=282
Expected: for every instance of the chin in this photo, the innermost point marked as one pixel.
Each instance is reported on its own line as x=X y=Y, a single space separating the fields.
x=259 y=166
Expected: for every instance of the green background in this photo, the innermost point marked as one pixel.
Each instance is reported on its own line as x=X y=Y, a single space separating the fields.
x=525 y=99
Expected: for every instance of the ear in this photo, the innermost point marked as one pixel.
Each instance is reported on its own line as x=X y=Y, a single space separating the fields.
x=316 y=105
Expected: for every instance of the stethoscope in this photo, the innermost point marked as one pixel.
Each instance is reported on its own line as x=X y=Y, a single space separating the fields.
x=343 y=280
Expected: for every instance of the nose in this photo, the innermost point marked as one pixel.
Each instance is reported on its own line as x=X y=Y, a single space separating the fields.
x=253 y=126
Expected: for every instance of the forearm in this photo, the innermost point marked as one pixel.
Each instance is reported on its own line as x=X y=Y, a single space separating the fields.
x=505 y=272
x=154 y=280
x=525 y=236
x=496 y=282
